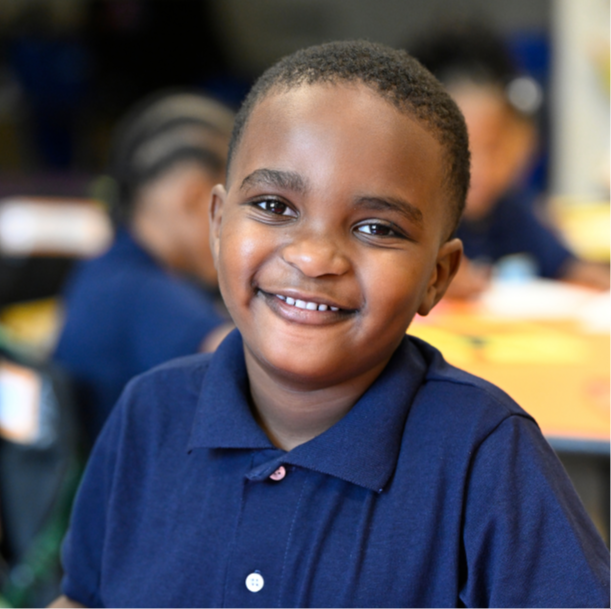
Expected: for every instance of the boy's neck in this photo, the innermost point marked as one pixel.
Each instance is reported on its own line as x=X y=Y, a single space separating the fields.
x=292 y=414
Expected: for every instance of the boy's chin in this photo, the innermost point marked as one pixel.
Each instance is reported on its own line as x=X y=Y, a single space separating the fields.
x=305 y=369
x=313 y=367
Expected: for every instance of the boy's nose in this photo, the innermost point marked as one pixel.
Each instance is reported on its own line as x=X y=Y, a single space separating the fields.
x=316 y=256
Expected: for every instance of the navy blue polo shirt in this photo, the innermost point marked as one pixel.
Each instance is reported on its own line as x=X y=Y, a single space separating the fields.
x=436 y=489
x=124 y=314
x=512 y=227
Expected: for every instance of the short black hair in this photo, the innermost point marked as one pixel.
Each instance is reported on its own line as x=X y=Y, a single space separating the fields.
x=396 y=77
x=161 y=132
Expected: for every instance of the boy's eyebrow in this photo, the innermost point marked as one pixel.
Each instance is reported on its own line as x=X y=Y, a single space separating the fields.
x=405 y=208
x=286 y=180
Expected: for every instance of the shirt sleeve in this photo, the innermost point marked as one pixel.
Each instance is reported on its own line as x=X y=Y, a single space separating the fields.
x=171 y=319
x=528 y=541
x=82 y=550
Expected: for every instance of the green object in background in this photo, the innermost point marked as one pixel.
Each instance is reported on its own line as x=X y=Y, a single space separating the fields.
x=42 y=561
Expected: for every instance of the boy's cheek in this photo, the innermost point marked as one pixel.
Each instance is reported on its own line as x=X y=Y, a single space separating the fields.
x=239 y=261
x=244 y=245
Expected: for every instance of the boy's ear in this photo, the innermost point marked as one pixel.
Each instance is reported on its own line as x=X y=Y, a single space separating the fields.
x=446 y=266
x=217 y=201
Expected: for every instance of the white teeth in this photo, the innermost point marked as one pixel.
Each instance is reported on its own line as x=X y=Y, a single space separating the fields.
x=303 y=304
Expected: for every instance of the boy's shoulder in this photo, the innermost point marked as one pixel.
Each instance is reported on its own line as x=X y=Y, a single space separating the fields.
x=451 y=396
x=158 y=407
x=443 y=376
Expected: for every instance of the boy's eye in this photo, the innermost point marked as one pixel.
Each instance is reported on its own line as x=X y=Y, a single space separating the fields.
x=278 y=208
x=378 y=229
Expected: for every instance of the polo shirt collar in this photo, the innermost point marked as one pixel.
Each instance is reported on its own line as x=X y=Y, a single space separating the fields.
x=362 y=448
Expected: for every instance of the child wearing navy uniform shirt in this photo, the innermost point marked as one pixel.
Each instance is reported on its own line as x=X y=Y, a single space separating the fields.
x=134 y=307
x=321 y=457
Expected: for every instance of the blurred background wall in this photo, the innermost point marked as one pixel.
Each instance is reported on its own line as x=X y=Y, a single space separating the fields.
x=580 y=98
x=262 y=31
x=68 y=68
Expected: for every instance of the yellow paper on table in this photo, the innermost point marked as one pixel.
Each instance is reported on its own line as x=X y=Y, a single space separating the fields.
x=515 y=344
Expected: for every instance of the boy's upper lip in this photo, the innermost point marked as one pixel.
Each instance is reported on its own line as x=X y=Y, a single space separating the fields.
x=310 y=297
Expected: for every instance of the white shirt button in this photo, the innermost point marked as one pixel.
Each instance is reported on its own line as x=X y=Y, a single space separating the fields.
x=255 y=581
x=279 y=473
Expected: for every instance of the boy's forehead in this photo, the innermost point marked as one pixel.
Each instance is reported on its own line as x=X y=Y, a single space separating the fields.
x=321 y=96
x=355 y=109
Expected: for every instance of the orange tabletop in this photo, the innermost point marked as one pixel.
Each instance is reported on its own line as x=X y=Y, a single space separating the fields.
x=555 y=369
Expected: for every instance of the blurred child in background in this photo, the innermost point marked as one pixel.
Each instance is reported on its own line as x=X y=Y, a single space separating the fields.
x=499 y=107
x=136 y=306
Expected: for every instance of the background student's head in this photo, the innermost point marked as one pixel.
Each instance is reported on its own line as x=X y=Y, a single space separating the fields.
x=168 y=153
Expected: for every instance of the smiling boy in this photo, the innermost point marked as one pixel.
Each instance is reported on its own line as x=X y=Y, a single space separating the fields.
x=321 y=457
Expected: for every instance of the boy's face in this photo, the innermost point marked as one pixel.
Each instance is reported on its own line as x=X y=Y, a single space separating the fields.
x=332 y=233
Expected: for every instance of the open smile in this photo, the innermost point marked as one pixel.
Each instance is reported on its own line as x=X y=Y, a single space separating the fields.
x=305 y=304
x=302 y=309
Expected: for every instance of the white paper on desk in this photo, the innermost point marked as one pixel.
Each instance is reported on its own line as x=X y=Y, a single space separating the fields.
x=20 y=393
x=595 y=316
x=30 y=227
x=546 y=299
